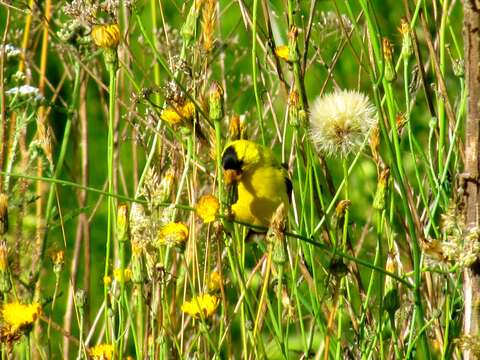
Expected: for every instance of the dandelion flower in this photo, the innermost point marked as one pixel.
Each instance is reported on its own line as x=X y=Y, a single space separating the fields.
x=205 y=304
x=283 y=52
x=340 y=121
x=207 y=208
x=175 y=115
x=173 y=234
x=106 y=35
x=102 y=352
x=16 y=316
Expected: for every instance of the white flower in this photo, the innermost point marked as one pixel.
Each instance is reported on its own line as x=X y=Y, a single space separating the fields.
x=11 y=51
x=341 y=121
x=25 y=91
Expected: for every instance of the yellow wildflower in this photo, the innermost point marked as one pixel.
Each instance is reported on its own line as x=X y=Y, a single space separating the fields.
x=18 y=316
x=102 y=352
x=127 y=275
x=175 y=115
x=106 y=36
x=205 y=304
x=282 y=52
x=214 y=281
x=207 y=208
x=107 y=280
x=173 y=234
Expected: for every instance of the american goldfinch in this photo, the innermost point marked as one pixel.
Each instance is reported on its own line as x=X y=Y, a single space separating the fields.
x=262 y=184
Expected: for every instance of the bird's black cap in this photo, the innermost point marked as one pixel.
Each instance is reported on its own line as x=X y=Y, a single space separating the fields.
x=230 y=160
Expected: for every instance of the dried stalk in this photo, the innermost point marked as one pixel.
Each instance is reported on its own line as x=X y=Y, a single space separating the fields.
x=471 y=279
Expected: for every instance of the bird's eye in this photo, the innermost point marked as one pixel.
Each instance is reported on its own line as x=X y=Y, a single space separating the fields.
x=230 y=160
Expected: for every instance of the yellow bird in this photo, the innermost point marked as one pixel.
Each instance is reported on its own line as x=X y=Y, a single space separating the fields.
x=262 y=184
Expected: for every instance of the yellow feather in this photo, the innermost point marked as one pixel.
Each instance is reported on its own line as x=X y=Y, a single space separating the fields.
x=262 y=184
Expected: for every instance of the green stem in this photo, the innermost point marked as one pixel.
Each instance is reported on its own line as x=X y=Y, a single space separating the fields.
x=110 y=206
x=80 y=335
x=59 y=167
x=254 y=70
x=398 y=171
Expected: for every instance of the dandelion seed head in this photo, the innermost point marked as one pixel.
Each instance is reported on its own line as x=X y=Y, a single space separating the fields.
x=340 y=122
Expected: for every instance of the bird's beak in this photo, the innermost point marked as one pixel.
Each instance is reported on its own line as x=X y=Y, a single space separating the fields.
x=231 y=176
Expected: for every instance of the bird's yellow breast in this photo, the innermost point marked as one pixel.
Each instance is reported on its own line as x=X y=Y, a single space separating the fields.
x=260 y=192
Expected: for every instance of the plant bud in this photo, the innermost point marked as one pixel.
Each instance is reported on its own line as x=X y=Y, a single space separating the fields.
x=138 y=269
x=5 y=284
x=215 y=102
x=380 y=194
x=122 y=223
x=276 y=235
x=391 y=301
x=293 y=106
x=190 y=25
x=166 y=187
x=80 y=298
x=407 y=47
x=58 y=260
x=390 y=74
x=292 y=44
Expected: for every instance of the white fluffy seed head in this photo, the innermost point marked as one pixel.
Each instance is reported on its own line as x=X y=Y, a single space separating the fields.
x=340 y=121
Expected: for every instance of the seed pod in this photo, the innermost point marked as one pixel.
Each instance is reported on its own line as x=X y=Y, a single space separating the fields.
x=390 y=74
x=5 y=284
x=3 y=214
x=391 y=301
